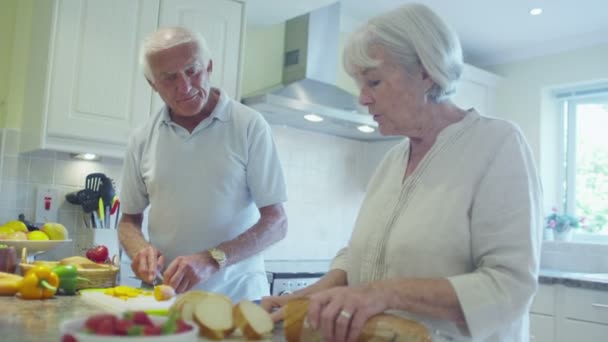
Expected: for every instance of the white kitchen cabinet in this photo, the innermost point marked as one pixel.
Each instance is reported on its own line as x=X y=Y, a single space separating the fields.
x=584 y=315
x=542 y=328
x=477 y=89
x=573 y=330
x=562 y=313
x=221 y=23
x=542 y=315
x=85 y=90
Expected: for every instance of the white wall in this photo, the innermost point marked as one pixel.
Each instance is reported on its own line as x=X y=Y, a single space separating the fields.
x=523 y=96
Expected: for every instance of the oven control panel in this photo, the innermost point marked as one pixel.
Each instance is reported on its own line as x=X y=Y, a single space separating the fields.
x=286 y=283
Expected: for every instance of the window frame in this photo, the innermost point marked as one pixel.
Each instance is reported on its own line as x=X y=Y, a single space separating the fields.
x=568 y=104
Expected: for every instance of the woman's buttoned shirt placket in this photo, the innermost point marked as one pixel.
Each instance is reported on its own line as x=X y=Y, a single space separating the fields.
x=374 y=263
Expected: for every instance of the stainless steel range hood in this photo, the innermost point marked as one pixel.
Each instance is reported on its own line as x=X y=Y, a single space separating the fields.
x=309 y=78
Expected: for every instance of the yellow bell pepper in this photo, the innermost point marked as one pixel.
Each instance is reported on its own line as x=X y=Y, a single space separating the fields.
x=39 y=283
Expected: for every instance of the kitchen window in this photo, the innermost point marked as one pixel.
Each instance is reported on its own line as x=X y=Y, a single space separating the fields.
x=585 y=160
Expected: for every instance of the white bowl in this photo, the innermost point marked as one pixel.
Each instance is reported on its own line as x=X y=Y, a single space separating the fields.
x=75 y=326
x=33 y=246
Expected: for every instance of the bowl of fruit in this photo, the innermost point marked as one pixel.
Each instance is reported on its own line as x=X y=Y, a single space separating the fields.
x=16 y=234
x=132 y=326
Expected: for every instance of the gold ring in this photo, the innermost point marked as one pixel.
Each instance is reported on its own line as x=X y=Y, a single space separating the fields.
x=346 y=314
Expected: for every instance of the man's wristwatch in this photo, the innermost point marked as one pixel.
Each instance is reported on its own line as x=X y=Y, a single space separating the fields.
x=219 y=256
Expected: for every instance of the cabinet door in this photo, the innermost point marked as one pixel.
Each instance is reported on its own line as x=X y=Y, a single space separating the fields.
x=476 y=89
x=96 y=90
x=582 y=331
x=221 y=23
x=541 y=328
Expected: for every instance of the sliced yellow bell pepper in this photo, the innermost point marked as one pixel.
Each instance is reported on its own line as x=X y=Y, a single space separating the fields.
x=39 y=282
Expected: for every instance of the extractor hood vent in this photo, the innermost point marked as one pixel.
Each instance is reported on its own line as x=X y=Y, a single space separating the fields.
x=309 y=78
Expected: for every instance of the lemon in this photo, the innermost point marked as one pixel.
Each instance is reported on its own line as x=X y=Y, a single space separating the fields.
x=6 y=230
x=55 y=231
x=17 y=226
x=37 y=235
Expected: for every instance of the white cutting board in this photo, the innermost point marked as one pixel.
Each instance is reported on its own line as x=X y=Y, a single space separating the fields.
x=116 y=305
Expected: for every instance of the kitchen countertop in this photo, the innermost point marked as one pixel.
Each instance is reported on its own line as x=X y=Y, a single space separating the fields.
x=594 y=281
x=39 y=320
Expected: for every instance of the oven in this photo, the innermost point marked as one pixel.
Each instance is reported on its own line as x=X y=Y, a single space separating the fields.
x=282 y=283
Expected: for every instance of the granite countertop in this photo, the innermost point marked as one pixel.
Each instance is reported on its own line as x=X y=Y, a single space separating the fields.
x=594 y=281
x=39 y=320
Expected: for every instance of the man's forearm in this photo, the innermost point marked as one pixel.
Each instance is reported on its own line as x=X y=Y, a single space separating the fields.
x=130 y=236
x=270 y=228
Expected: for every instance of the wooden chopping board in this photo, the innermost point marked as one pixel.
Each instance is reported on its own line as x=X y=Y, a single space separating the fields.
x=105 y=302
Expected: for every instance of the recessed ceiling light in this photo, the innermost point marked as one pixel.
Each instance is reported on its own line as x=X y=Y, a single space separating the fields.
x=536 y=11
x=313 y=118
x=366 y=129
x=86 y=156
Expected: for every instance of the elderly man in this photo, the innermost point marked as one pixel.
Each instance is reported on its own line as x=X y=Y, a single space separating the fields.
x=207 y=168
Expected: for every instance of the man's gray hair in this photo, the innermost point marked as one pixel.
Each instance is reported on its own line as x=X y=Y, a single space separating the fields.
x=168 y=37
x=415 y=36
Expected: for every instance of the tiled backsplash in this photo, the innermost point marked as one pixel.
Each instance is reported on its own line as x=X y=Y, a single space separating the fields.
x=325 y=175
x=575 y=257
x=326 y=178
x=22 y=173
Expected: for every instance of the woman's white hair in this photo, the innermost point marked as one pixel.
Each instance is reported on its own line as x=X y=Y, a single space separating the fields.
x=415 y=36
x=168 y=37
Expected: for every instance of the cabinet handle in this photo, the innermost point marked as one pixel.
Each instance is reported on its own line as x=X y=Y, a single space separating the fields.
x=599 y=306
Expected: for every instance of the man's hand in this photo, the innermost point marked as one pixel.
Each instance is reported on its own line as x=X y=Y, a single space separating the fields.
x=275 y=306
x=146 y=262
x=185 y=272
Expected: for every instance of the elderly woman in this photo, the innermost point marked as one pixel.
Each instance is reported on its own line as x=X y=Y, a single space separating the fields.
x=449 y=231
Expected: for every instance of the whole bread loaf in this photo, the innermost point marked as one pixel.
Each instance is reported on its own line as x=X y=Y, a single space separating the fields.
x=379 y=328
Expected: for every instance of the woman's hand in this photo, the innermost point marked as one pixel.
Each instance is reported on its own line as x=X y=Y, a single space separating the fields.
x=341 y=312
x=187 y=271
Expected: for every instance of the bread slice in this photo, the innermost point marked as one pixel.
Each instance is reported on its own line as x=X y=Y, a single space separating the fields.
x=382 y=327
x=192 y=297
x=253 y=321
x=213 y=314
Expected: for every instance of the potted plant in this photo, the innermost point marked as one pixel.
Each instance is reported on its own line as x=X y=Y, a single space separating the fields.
x=563 y=225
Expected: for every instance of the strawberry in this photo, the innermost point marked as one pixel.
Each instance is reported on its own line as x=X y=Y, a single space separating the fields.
x=151 y=330
x=139 y=317
x=68 y=338
x=122 y=326
x=92 y=322
x=182 y=326
x=106 y=327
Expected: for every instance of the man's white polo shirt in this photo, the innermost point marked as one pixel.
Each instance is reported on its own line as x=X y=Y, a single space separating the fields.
x=205 y=187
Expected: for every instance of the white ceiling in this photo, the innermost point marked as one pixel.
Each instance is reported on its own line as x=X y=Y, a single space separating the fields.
x=491 y=31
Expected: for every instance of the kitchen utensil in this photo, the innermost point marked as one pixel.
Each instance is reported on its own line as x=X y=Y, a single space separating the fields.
x=115 y=203
x=102 y=213
x=89 y=200
x=107 y=193
x=93 y=181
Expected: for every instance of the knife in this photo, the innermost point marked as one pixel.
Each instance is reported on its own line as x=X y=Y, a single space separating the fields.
x=158 y=280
